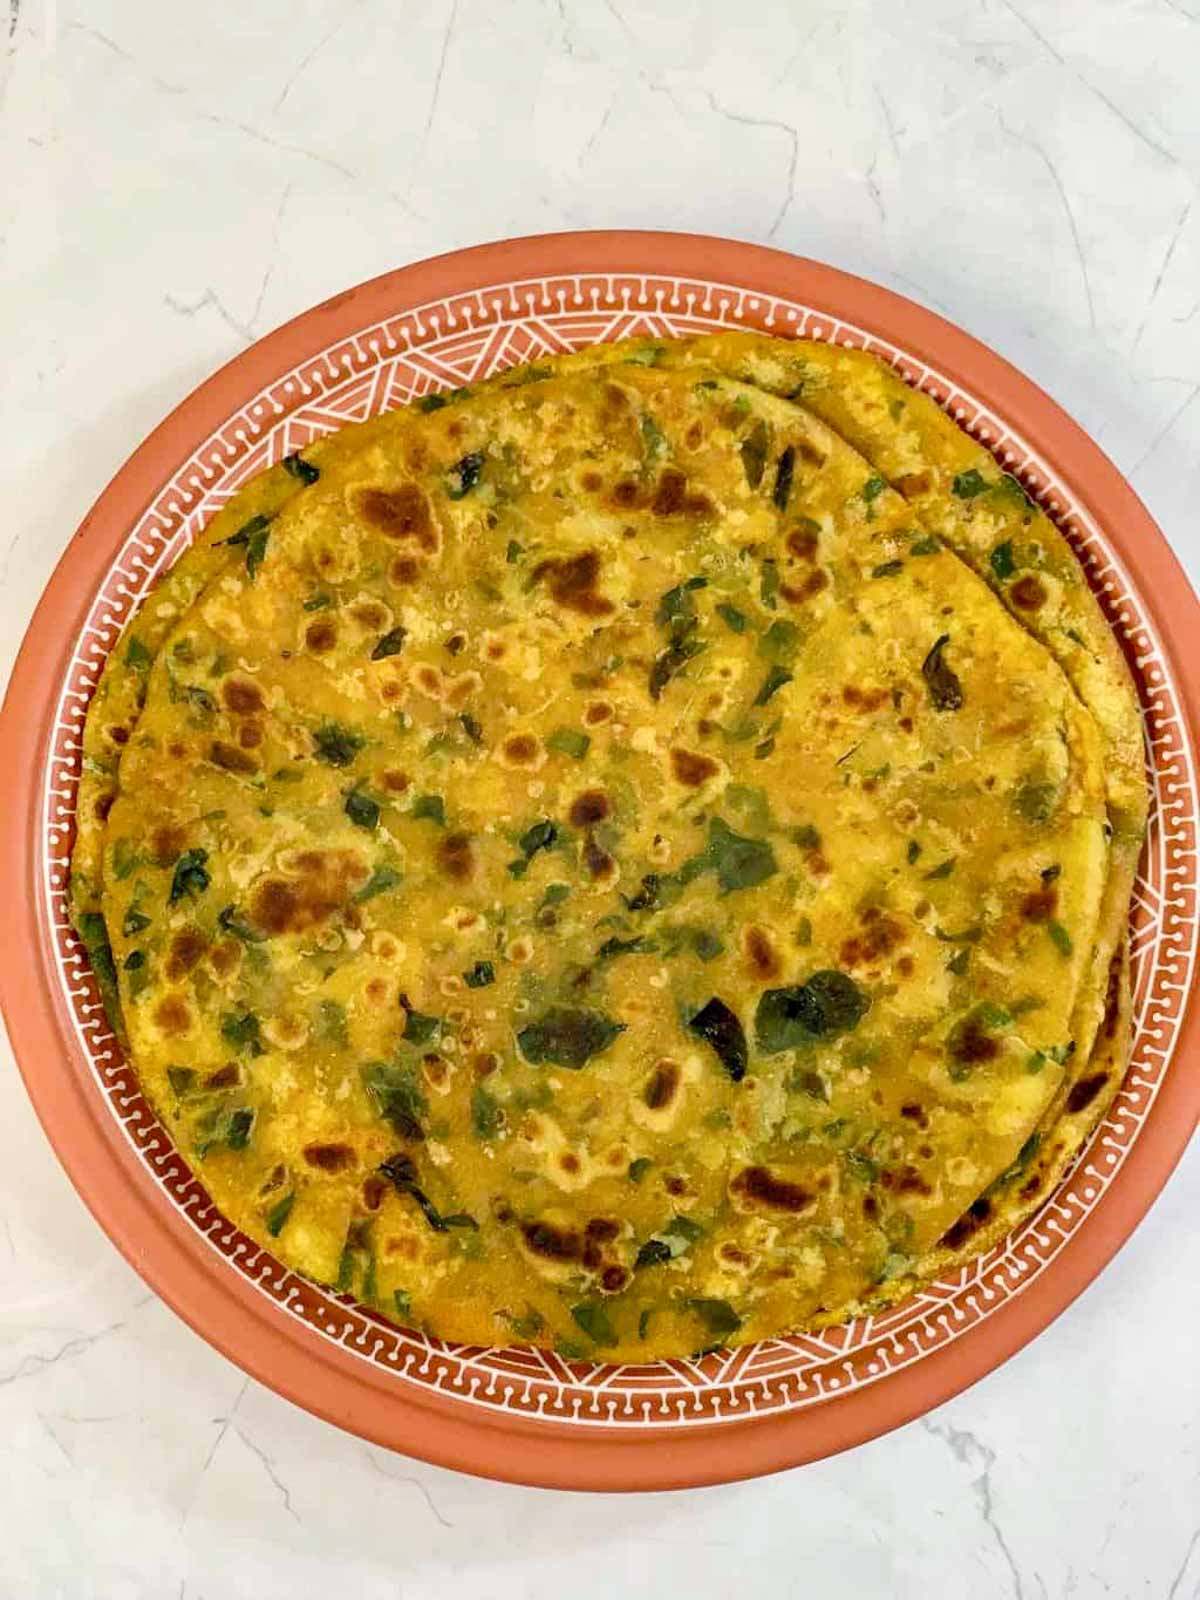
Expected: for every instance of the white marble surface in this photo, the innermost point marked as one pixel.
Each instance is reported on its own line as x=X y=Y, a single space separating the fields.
x=176 y=180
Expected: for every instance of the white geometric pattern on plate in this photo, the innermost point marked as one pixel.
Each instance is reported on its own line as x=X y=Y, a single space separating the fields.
x=461 y=340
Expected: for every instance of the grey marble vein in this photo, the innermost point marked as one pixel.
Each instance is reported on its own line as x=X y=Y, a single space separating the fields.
x=793 y=144
x=971 y=1451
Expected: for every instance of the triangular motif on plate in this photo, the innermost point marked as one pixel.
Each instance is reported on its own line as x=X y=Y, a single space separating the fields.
x=450 y=362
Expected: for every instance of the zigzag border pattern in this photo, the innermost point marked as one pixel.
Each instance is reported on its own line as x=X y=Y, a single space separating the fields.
x=460 y=340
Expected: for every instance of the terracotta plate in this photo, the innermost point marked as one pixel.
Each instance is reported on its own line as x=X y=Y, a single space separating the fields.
x=527 y=1416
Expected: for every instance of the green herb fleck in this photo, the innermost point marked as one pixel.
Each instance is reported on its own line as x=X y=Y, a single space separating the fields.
x=429 y=808
x=826 y=1004
x=945 y=690
x=968 y=484
x=297 y=467
x=772 y=683
x=361 y=809
x=718 y=1316
x=396 y=1091
x=487 y=1115
x=754 y=453
x=240 y=1029
x=1063 y=942
x=418 y=1027
x=190 y=877
x=942 y=870
x=569 y=742
x=594 y=1320
x=331 y=1021
x=391 y=644
x=229 y=920
x=1002 y=562
x=336 y=745
x=566 y=1037
x=480 y=975
x=381 y=879
x=279 y=1213
x=464 y=475
x=720 y=1028
x=782 y=491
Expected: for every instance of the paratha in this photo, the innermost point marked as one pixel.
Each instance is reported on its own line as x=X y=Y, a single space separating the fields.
x=597 y=870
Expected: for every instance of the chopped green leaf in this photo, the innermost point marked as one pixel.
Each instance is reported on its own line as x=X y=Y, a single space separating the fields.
x=480 y=975
x=772 y=683
x=719 y=1027
x=125 y=858
x=929 y=546
x=240 y=1029
x=336 y=745
x=569 y=742
x=137 y=656
x=487 y=1115
x=381 y=879
x=181 y=1079
x=247 y=531
x=256 y=549
x=237 y=1136
x=464 y=475
x=739 y=863
x=431 y=402
x=781 y=641
x=396 y=1090
x=718 y=1316
x=566 y=1037
x=826 y=1004
x=873 y=488
x=332 y=1023
x=968 y=484
x=1063 y=942
x=361 y=809
x=230 y=921
x=638 y=1168
x=754 y=453
x=942 y=870
x=297 y=467
x=887 y=569
x=390 y=644
x=784 y=472
x=429 y=808
x=418 y=1027
x=401 y=1173
x=945 y=690
x=653 y=1253
x=1002 y=561
x=594 y=1320
x=279 y=1213
x=190 y=877
x=731 y=617
x=94 y=934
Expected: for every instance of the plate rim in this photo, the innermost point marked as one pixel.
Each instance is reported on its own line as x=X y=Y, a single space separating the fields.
x=115 y=1186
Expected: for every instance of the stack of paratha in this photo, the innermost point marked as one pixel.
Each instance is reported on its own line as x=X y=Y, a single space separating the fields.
x=633 y=857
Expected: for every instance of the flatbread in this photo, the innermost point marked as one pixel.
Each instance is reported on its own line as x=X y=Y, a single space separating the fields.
x=600 y=872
